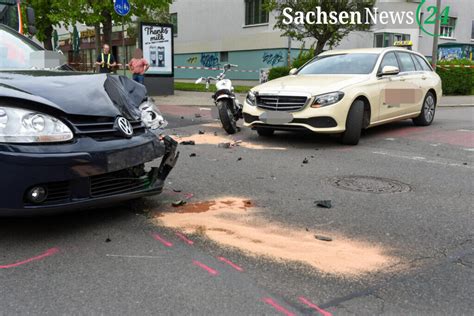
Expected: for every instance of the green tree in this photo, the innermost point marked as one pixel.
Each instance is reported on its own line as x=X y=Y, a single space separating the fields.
x=324 y=34
x=99 y=13
x=48 y=13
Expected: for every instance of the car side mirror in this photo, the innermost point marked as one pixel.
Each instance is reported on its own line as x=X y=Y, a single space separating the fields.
x=30 y=14
x=389 y=71
x=293 y=71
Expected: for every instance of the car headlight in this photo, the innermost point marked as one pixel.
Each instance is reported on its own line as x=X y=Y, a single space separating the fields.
x=251 y=98
x=327 y=99
x=27 y=126
x=151 y=116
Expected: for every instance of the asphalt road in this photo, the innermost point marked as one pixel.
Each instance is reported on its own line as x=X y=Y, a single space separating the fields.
x=122 y=261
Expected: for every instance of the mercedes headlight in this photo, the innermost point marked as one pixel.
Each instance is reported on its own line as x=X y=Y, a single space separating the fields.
x=151 y=116
x=327 y=99
x=251 y=98
x=27 y=126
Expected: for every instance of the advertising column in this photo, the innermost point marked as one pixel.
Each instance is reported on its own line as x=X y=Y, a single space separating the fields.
x=158 y=49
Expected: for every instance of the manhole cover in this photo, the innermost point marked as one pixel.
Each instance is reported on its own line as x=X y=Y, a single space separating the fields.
x=369 y=184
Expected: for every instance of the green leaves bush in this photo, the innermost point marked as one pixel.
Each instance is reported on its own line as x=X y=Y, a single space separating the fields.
x=277 y=72
x=456 y=81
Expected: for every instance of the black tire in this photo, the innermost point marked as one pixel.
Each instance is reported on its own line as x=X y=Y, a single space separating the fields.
x=354 y=124
x=227 y=118
x=265 y=132
x=428 y=110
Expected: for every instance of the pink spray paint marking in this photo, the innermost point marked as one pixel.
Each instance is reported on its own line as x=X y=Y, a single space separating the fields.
x=162 y=240
x=209 y=270
x=185 y=239
x=48 y=253
x=233 y=265
x=314 y=306
x=188 y=196
x=278 y=307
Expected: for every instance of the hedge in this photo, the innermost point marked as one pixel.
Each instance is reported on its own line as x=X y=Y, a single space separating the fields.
x=456 y=80
x=277 y=72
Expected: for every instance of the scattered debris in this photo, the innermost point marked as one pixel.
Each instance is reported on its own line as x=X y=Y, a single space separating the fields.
x=239 y=159
x=182 y=117
x=464 y=163
x=305 y=161
x=202 y=132
x=322 y=238
x=188 y=142
x=179 y=203
x=215 y=133
x=224 y=145
x=108 y=240
x=189 y=196
x=324 y=203
x=197 y=115
x=193 y=155
x=177 y=191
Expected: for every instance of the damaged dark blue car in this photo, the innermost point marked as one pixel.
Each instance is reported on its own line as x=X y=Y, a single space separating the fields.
x=70 y=140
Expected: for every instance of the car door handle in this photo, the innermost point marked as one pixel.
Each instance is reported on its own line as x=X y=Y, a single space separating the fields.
x=398 y=79
x=423 y=77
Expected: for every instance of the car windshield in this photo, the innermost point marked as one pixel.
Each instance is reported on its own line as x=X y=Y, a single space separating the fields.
x=15 y=50
x=351 y=64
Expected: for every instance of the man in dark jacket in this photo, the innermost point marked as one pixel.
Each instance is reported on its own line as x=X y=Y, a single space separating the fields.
x=105 y=60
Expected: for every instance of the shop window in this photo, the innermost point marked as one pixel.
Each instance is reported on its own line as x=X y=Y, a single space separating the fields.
x=174 y=21
x=388 y=39
x=447 y=30
x=255 y=12
x=224 y=58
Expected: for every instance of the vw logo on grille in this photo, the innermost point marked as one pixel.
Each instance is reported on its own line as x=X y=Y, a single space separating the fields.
x=124 y=126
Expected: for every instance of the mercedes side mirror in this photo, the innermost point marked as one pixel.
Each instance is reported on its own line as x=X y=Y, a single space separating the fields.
x=293 y=71
x=389 y=71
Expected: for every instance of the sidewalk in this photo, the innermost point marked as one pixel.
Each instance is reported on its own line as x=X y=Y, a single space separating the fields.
x=203 y=99
x=457 y=100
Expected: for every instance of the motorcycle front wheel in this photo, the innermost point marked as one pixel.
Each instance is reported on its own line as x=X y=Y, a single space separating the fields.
x=229 y=123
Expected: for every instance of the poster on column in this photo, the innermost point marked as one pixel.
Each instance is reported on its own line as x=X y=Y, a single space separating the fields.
x=157 y=46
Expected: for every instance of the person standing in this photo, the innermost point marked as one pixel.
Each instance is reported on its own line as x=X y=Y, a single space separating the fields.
x=105 y=60
x=138 y=66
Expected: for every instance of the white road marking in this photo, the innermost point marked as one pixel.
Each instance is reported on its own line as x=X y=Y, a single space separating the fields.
x=391 y=139
x=205 y=109
x=469 y=149
x=423 y=159
x=465 y=130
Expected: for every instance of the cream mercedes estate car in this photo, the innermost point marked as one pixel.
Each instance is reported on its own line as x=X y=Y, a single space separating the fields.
x=345 y=91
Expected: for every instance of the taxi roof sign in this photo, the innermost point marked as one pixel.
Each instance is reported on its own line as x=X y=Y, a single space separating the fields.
x=403 y=43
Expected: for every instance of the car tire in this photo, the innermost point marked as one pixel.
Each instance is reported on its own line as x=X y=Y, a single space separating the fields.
x=265 y=132
x=354 y=124
x=428 y=111
x=227 y=118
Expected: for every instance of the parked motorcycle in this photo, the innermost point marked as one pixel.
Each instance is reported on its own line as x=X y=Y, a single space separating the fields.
x=229 y=108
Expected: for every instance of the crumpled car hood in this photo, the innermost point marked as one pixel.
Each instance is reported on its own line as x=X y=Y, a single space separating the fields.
x=75 y=93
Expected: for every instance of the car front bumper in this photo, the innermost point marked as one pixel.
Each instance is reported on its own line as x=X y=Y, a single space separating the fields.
x=330 y=119
x=82 y=174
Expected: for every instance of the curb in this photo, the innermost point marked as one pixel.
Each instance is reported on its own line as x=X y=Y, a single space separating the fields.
x=455 y=105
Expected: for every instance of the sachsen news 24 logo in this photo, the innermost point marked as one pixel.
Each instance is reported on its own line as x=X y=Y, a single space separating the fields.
x=431 y=17
x=424 y=16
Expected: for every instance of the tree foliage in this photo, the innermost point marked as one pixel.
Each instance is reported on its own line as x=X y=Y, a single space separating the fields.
x=49 y=13
x=94 y=13
x=324 y=34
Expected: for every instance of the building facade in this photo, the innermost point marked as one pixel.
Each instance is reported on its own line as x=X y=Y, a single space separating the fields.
x=210 y=33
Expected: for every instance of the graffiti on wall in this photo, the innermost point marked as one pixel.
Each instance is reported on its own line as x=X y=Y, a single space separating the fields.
x=192 y=60
x=451 y=53
x=210 y=60
x=272 y=58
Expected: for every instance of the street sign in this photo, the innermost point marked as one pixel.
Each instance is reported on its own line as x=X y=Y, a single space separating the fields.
x=122 y=7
